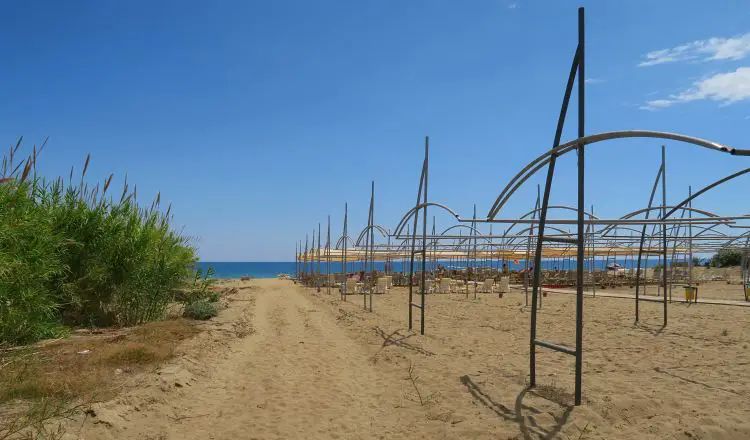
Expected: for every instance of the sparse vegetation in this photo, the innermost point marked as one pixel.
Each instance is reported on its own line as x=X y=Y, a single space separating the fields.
x=35 y=422
x=201 y=302
x=422 y=399
x=46 y=372
x=202 y=284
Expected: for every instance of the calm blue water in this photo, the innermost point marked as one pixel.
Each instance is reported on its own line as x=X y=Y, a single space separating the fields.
x=268 y=269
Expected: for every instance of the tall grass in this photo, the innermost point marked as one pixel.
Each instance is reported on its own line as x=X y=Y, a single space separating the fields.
x=72 y=254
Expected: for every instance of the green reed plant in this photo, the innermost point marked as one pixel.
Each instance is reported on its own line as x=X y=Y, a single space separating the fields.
x=31 y=258
x=71 y=253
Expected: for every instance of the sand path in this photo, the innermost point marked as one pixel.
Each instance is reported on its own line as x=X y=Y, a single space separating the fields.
x=296 y=376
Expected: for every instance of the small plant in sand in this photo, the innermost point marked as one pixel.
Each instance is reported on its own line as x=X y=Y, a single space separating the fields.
x=582 y=433
x=552 y=392
x=43 y=420
x=423 y=399
x=202 y=284
x=201 y=302
x=201 y=309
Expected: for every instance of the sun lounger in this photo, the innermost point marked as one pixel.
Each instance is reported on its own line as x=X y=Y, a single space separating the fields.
x=382 y=285
x=487 y=286
x=444 y=285
x=504 y=285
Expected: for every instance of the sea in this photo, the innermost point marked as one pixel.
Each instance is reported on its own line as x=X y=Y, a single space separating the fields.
x=271 y=269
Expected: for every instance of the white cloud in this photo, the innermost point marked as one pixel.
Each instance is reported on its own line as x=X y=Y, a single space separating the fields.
x=594 y=80
x=725 y=88
x=733 y=48
x=513 y=6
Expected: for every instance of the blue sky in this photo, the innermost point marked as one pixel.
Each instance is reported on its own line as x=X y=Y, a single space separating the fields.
x=259 y=119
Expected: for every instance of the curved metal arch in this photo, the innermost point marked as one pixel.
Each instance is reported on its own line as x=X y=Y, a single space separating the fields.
x=570 y=208
x=342 y=239
x=707 y=188
x=605 y=230
x=380 y=229
x=462 y=240
x=479 y=233
x=702 y=230
x=407 y=216
x=567 y=147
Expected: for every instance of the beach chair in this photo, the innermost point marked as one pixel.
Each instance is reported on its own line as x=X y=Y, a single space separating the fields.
x=429 y=286
x=352 y=286
x=382 y=285
x=444 y=285
x=503 y=285
x=487 y=286
x=460 y=286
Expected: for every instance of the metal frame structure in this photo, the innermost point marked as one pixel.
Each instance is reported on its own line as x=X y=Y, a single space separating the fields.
x=597 y=236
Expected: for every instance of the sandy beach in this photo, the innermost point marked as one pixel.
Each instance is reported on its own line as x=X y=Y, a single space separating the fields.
x=313 y=366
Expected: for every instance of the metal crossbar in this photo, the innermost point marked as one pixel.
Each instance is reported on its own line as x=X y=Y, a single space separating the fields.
x=556 y=347
x=560 y=239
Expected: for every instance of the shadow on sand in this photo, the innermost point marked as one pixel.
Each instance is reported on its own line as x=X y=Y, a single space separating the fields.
x=522 y=414
x=399 y=340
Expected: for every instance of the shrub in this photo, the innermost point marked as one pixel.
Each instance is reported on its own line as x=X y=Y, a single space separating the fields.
x=71 y=254
x=727 y=258
x=201 y=309
x=30 y=259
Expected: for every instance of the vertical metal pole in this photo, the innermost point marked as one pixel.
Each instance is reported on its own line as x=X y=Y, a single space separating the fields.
x=304 y=272
x=640 y=247
x=364 y=263
x=528 y=247
x=678 y=229
x=414 y=244
x=581 y=205
x=328 y=257
x=388 y=260
x=312 y=261
x=468 y=262
x=665 y=267
x=690 y=239
x=543 y=218
x=593 y=257
x=424 y=226
x=433 y=262
x=346 y=273
x=492 y=249
x=746 y=269
x=317 y=277
x=372 y=241
x=296 y=261
x=474 y=233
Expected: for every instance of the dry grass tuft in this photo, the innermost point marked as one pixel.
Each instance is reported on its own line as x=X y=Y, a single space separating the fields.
x=556 y=394
x=58 y=370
